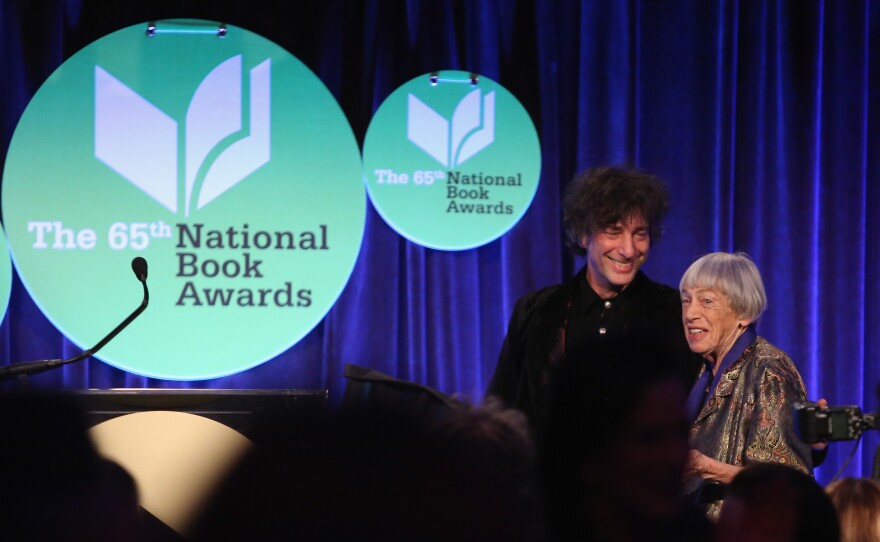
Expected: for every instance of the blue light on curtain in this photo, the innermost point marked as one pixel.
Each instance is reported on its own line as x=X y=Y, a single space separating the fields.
x=763 y=117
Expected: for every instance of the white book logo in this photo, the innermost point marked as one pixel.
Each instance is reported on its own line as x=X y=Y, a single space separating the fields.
x=140 y=142
x=472 y=128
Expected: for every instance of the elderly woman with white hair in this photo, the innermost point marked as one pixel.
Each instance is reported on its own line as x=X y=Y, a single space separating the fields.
x=741 y=403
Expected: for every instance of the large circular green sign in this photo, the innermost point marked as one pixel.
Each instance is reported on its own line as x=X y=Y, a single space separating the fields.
x=218 y=157
x=5 y=275
x=452 y=161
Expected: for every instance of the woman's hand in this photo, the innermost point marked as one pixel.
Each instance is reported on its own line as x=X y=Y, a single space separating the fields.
x=701 y=465
x=695 y=465
x=821 y=445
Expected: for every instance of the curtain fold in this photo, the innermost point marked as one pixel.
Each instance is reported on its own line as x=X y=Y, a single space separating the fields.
x=761 y=116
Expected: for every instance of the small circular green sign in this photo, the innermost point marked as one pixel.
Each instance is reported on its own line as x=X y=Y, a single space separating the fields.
x=219 y=158
x=451 y=161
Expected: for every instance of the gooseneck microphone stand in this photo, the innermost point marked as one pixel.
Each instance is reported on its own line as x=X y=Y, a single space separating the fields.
x=22 y=370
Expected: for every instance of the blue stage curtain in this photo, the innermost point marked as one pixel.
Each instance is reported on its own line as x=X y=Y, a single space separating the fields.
x=763 y=117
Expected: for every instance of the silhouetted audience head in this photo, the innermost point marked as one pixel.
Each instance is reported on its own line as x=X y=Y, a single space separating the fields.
x=53 y=483
x=614 y=446
x=490 y=435
x=375 y=474
x=494 y=435
x=857 y=501
x=772 y=502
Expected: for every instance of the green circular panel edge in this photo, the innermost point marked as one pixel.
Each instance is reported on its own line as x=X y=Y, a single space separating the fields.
x=225 y=162
x=449 y=164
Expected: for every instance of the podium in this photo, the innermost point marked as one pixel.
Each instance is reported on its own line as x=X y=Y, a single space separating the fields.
x=237 y=409
x=179 y=445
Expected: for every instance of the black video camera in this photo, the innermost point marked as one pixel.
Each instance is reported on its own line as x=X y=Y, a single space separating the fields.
x=816 y=424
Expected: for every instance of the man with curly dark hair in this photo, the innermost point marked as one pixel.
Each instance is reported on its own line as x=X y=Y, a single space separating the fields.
x=611 y=215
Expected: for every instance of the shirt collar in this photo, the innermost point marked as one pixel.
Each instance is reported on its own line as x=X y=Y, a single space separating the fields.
x=735 y=352
x=748 y=337
x=586 y=297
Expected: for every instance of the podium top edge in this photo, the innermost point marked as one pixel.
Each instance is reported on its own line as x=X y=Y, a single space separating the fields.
x=192 y=391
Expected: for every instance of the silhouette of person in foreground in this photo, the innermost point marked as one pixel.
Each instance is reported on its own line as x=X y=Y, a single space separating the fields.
x=857 y=501
x=55 y=486
x=772 y=502
x=377 y=474
x=614 y=447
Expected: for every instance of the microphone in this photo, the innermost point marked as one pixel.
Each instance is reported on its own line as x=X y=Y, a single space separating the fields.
x=21 y=370
x=139 y=266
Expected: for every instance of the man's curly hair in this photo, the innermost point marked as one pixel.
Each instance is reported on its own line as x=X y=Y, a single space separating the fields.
x=601 y=197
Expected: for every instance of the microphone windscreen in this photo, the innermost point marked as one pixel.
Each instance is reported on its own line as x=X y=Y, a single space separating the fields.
x=139 y=266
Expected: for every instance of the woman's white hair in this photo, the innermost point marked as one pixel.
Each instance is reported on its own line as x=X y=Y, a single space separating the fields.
x=735 y=275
